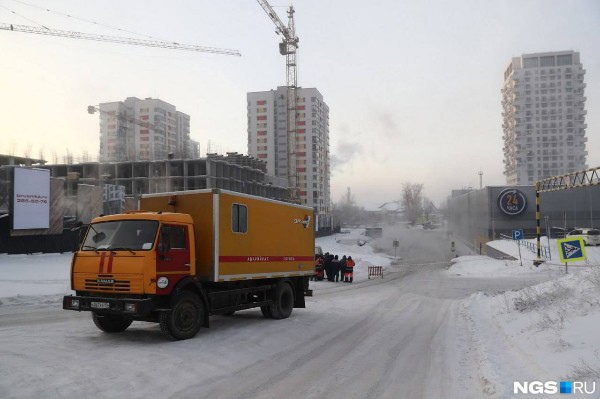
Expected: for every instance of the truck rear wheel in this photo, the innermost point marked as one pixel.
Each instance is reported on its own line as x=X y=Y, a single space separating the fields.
x=185 y=318
x=110 y=324
x=284 y=301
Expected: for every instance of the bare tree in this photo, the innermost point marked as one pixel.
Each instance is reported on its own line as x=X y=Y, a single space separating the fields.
x=68 y=157
x=348 y=212
x=28 y=150
x=428 y=207
x=412 y=201
x=348 y=199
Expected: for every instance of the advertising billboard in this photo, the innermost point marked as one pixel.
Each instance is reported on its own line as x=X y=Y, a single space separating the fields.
x=30 y=203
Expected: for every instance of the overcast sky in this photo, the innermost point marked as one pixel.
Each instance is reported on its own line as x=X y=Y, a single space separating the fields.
x=413 y=87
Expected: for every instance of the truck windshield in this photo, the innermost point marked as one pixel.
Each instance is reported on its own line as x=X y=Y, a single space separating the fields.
x=125 y=235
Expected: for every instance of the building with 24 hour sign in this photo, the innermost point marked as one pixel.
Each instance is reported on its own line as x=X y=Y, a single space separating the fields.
x=478 y=216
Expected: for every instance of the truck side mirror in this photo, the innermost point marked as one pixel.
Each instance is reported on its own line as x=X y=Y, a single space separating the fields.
x=98 y=237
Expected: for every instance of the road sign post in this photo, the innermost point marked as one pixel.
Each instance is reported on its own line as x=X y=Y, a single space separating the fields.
x=396 y=245
x=518 y=235
x=571 y=250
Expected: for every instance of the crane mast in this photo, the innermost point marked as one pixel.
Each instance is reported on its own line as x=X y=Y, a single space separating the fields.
x=288 y=47
x=116 y=39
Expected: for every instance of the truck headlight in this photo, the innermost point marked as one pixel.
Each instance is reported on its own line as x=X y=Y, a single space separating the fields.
x=162 y=282
x=130 y=307
x=75 y=303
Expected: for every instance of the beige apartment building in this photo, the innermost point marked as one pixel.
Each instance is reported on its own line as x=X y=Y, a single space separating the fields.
x=144 y=130
x=543 y=111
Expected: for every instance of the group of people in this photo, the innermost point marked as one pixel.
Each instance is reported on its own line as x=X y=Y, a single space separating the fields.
x=334 y=269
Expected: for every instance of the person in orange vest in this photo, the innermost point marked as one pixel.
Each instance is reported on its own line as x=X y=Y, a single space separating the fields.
x=319 y=268
x=349 y=272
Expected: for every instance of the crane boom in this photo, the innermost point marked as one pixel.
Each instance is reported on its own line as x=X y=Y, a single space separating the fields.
x=125 y=118
x=116 y=39
x=281 y=28
x=288 y=48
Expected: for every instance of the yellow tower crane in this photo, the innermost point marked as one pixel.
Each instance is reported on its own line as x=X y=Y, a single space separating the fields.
x=288 y=47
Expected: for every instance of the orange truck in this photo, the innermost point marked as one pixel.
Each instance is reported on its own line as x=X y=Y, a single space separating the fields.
x=188 y=255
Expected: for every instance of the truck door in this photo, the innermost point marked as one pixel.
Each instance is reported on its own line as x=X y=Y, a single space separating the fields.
x=173 y=255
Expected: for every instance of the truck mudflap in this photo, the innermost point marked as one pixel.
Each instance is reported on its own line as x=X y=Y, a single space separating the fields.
x=121 y=306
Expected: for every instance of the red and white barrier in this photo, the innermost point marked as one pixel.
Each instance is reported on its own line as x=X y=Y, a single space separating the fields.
x=375 y=271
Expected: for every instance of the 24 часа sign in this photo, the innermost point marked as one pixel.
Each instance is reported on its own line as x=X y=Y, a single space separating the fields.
x=512 y=201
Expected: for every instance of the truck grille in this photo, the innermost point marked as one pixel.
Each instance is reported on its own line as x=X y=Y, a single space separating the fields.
x=106 y=282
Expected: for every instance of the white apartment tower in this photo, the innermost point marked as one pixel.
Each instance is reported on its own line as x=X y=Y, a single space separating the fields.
x=267 y=141
x=543 y=111
x=124 y=135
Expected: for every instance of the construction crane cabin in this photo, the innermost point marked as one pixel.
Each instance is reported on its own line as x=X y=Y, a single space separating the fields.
x=288 y=48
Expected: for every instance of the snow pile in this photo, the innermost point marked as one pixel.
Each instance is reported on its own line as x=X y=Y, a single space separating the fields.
x=32 y=279
x=544 y=332
x=482 y=266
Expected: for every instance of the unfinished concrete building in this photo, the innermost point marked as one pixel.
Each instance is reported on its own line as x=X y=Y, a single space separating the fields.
x=233 y=172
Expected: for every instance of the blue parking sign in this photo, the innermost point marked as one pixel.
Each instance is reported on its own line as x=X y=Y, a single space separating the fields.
x=518 y=234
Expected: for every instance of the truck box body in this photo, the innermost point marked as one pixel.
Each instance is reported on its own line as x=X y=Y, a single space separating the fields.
x=276 y=241
x=187 y=255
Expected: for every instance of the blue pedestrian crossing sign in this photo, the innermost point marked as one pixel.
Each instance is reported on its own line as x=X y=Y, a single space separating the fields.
x=518 y=234
x=571 y=249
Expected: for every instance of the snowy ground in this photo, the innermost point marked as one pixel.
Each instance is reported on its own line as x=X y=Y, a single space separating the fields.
x=546 y=332
x=468 y=330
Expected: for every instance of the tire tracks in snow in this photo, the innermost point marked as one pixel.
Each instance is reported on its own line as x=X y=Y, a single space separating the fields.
x=315 y=359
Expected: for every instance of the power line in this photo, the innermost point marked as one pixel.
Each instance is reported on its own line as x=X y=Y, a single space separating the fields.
x=24 y=17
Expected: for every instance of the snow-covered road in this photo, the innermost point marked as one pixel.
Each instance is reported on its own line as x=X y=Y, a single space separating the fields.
x=371 y=339
x=420 y=332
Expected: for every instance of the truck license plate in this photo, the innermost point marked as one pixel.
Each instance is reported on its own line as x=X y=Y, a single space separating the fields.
x=100 y=305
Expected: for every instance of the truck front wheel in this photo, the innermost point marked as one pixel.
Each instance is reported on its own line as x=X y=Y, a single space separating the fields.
x=110 y=324
x=185 y=318
x=284 y=301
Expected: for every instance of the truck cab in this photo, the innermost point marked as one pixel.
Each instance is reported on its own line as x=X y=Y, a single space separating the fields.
x=130 y=253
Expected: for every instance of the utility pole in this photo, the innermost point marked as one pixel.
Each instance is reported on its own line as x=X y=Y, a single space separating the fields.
x=480 y=179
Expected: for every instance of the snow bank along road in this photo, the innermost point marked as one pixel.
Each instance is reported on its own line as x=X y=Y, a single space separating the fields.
x=400 y=337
